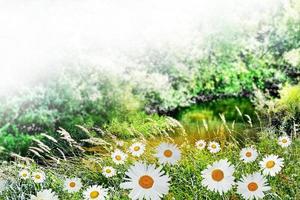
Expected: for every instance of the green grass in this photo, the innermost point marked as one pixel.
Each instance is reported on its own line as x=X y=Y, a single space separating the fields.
x=185 y=176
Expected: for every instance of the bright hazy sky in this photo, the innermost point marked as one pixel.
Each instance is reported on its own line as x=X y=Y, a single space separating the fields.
x=37 y=37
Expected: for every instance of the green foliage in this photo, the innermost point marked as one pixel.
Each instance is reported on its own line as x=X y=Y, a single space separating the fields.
x=282 y=113
x=236 y=62
x=287 y=109
x=66 y=102
x=289 y=101
x=14 y=142
x=233 y=62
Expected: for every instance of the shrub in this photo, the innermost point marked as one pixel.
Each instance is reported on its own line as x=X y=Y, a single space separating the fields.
x=287 y=108
x=14 y=141
x=289 y=101
x=283 y=113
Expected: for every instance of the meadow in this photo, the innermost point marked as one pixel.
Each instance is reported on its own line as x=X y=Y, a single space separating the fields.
x=220 y=120
x=101 y=167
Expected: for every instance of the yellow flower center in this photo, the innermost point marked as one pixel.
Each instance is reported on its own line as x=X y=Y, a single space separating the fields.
x=217 y=175
x=252 y=186
x=146 y=182
x=136 y=148
x=37 y=177
x=94 y=194
x=248 y=154
x=118 y=157
x=168 y=153
x=24 y=175
x=284 y=140
x=72 y=184
x=270 y=164
x=213 y=146
x=108 y=170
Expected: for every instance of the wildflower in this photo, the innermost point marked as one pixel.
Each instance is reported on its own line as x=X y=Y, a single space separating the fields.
x=248 y=154
x=72 y=185
x=253 y=186
x=38 y=177
x=137 y=149
x=95 y=192
x=119 y=157
x=284 y=141
x=24 y=174
x=168 y=153
x=213 y=147
x=108 y=171
x=146 y=182
x=218 y=176
x=200 y=144
x=44 y=195
x=271 y=165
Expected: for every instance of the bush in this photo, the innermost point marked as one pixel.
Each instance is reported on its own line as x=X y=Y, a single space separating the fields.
x=14 y=141
x=287 y=109
x=283 y=113
x=67 y=102
x=289 y=101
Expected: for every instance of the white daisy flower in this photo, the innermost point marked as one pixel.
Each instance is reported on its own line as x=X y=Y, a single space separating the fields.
x=168 y=153
x=253 y=186
x=218 y=177
x=271 y=165
x=119 y=157
x=248 y=154
x=284 y=141
x=213 y=147
x=108 y=171
x=137 y=149
x=24 y=174
x=146 y=182
x=3 y=184
x=200 y=144
x=44 y=195
x=95 y=192
x=38 y=177
x=72 y=185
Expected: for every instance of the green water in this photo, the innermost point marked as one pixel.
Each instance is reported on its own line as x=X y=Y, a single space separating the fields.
x=204 y=121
